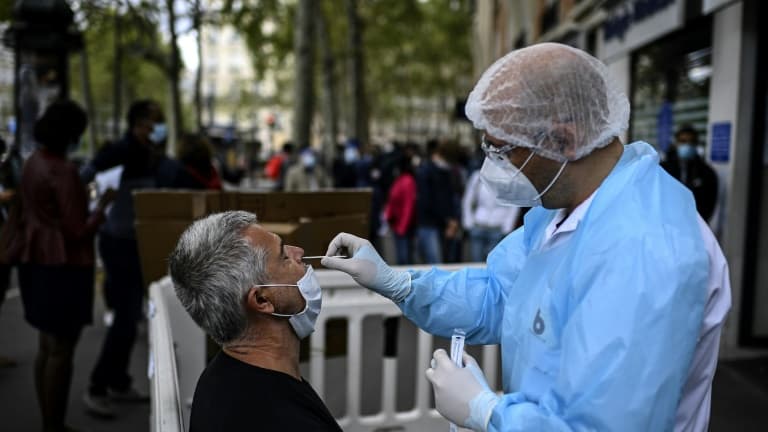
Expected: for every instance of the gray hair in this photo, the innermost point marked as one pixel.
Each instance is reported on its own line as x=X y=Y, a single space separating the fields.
x=212 y=268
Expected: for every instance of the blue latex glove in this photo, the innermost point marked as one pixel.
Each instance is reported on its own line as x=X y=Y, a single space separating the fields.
x=462 y=395
x=367 y=268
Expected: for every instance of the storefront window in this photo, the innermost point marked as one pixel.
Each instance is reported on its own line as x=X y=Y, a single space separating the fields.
x=670 y=85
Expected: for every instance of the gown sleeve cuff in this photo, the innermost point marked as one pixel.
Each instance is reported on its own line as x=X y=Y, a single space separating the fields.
x=405 y=281
x=480 y=410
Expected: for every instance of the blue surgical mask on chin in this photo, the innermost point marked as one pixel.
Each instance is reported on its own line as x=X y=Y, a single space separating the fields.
x=303 y=323
x=308 y=160
x=159 y=133
x=686 y=151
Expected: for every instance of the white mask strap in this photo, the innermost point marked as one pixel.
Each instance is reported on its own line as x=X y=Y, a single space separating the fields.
x=552 y=183
x=282 y=285
x=527 y=160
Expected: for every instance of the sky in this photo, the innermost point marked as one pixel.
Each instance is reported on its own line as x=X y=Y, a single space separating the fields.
x=188 y=48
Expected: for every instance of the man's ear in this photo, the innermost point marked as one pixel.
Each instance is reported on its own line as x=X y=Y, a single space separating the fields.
x=564 y=137
x=258 y=300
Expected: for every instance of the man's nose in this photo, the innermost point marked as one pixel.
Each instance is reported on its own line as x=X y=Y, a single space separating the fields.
x=295 y=252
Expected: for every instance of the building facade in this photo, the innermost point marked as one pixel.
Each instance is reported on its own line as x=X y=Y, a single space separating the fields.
x=236 y=102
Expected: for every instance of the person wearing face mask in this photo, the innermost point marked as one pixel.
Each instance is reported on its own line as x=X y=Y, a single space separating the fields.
x=142 y=155
x=607 y=303
x=253 y=295
x=307 y=175
x=685 y=163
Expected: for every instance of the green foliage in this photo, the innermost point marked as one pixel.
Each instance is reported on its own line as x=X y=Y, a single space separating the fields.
x=143 y=64
x=415 y=49
x=6 y=10
x=267 y=26
x=412 y=48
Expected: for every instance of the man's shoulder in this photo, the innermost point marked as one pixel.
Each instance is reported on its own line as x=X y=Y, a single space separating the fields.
x=228 y=391
x=227 y=383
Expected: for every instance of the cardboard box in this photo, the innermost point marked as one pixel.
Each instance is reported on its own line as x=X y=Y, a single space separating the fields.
x=293 y=206
x=212 y=202
x=169 y=204
x=306 y=220
x=156 y=240
x=314 y=235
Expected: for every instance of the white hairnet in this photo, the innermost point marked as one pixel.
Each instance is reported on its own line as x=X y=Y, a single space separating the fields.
x=552 y=98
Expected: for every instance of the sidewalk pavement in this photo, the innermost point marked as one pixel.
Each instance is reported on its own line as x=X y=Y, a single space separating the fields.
x=18 y=409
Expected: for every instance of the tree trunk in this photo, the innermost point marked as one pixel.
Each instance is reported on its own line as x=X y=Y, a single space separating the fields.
x=302 y=45
x=85 y=76
x=358 y=114
x=117 y=74
x=198 y=24
x=173 y=76
x=329 y=109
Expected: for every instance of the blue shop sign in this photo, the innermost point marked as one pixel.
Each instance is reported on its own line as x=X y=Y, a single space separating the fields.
x=664 y=125
x=721 y=142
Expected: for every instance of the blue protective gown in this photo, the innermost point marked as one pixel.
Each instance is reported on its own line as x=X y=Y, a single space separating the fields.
x=597 y=332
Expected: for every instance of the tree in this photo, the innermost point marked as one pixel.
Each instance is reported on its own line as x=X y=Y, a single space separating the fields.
x=85 y=75
x=174 y=70
x=329 y=105
x=107 y=90
x=117 y=67
x=197 y=25
x=304 y=88
x=416 y=51
x=268 y=29
x=413 y=50
x=357 y=126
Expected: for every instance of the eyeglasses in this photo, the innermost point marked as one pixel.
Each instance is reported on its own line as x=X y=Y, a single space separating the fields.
x=496 y=154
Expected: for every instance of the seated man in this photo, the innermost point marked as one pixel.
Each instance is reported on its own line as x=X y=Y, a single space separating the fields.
x=255 y=297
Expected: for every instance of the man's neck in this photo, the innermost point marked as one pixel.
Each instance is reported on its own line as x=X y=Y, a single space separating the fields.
x=592 y=170
x=275 y=348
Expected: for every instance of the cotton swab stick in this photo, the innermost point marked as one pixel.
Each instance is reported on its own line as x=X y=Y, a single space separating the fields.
x=323 y=256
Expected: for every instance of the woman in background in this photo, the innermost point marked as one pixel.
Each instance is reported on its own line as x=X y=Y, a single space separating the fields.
x=57 y=255
x=400 y=210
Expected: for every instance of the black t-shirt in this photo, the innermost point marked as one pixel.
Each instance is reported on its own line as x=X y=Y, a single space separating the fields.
x=234 y=396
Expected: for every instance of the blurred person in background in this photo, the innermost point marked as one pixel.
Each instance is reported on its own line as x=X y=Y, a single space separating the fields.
x=277 y=166
x=685 y=163
x=306 y=175
x=369 y=175
x=437 y=215
x=389 y=162
x=486 y=221
x=454 y=238
x=344 y=165
x=141 y=152
x=400 y=210
x=10 y=219
x=56 y=256
x=196 y=158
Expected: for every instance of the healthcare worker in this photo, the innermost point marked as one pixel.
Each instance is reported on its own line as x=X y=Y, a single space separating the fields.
x=609 y=301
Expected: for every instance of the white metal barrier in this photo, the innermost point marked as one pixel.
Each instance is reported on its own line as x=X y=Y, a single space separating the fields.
x=173 y=330
x=165 y=413
x=176 y=358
